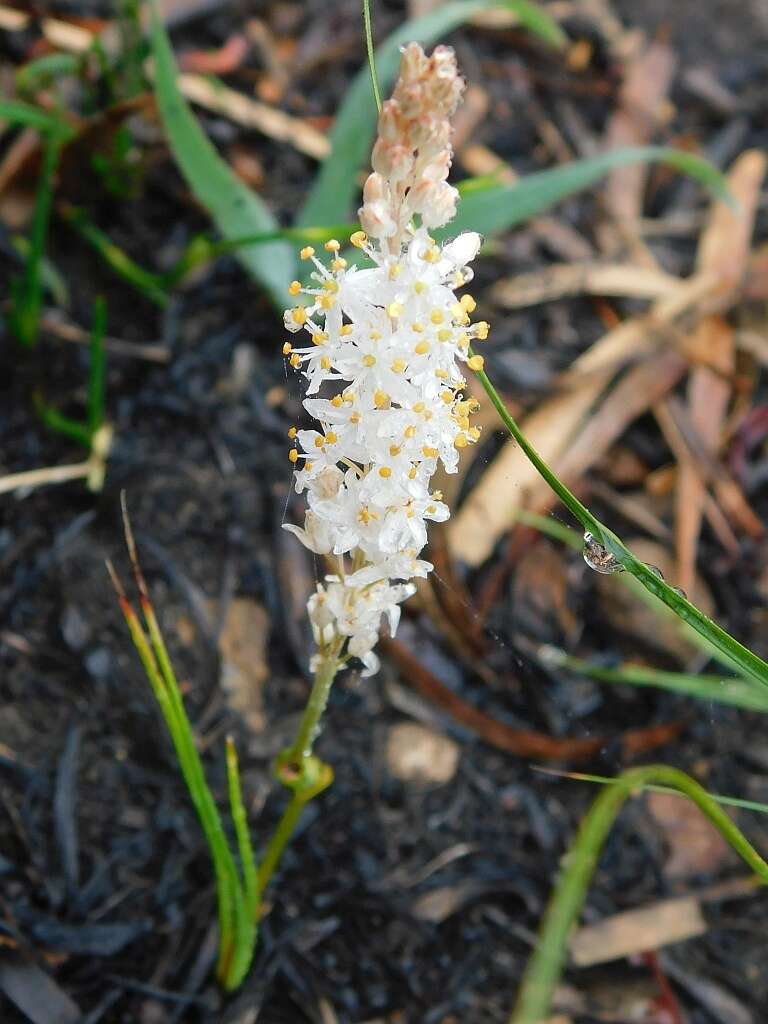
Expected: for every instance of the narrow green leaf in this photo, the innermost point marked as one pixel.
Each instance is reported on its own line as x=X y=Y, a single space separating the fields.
x=28 y=116
x=335 y=187
x=738 y=693
x=545 y=966
x=234 y=208
x=27 y=291
x=495 y=208
x=744 y=660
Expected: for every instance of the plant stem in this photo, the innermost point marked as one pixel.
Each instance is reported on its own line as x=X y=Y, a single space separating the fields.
x=301 y=748
x=737 y=654
x=545 y=966
x=300 y=771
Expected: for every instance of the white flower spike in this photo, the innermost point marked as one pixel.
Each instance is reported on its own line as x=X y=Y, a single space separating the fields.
x=385 y=344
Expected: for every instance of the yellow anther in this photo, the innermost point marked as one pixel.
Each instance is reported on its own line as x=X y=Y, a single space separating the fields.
x=460 y=441
x=458 y=279
x=292 y=432
x=381 y=399
x=441 y=374
x=476 y=363
x=345 y=330
x=431 y=255
x=331 y=438
x=463 y=422
x=481 y=330
x=437 y=496
x=419 y=407
x=417 y=327
x=459 y=314
x=430 y=510
x=348 y=397
x=295 y=360
x=428 y=414
x=337 y=401
x=325 y=363
x=338 y=264
x=394 y=271
x=358 y=239
x=394 y=450
x=293 y=455
x=447 y=397
x=307 y=253
x=463 y=341
x=409 y=432
x=375 y=336
x=412 y=473
x=319 y=338
x=332 y=245
x=474 y=433
x=444 y=334
x=331 y=286
x=436 y=316
x=369 y=361
x=319 y=442
x=294 y=287
x=364 y=515
x=395 y=309
x=422 y=348
x=287 y=348
x=419 y=287
x=299 y=315
x=385 y=472
x=398 y=366
x=468 y=303
x=327 y=302
x=355 y=418
x=429 y=453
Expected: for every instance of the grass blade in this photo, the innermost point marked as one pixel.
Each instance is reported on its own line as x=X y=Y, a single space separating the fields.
x=234 y=208
x=98 y=367
x=746 y=661
x=27 y=291
x=543 y=971
x=144 y=281
x=25 y=115
x=335 y=187
x=736 y=692
x=490 y=207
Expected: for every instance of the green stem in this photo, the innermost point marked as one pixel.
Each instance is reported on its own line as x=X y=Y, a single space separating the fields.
x=300 y=771
x=545 y=966
x=301 y=748
x=747 y=662
x=97 y=372
x=370 y=52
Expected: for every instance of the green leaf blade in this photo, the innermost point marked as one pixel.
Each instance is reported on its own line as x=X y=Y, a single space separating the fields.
x=234 y=208
x=498 y=208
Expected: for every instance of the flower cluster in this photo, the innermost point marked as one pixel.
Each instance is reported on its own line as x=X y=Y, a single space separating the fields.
x=382 y=369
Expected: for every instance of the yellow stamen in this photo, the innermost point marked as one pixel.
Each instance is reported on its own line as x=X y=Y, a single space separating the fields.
x=419 y=287
x=394 y=271
x=327 y=302
x=292 y=432
x=381 y=399
x=331 y=286
x=369 y=361
x=332 y=245
x=394 y=309
x=307 y=253
x=299 y=315
x=293 y=455
x=295 y=360
x=422 y=348
x=331 y=438
x=358 y=239
x=476 y=363
x=394 y=450
x=345 y=330
x=429 y=453
x=385 y=472
x=294 y=287
x=436 y=316
x=398 y=366
x=325 y=363
x=337 y=401
x=460 y=441
x=287 y=348
x=410 y=432
x=468 y=303
x=481 y=330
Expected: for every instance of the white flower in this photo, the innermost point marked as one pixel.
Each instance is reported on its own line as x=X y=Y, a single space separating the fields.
x=383 y=362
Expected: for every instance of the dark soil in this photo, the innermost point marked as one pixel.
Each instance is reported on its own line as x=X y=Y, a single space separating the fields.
x=105 y=886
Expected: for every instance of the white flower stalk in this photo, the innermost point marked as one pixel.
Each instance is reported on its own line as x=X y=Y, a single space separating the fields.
x=382 y=365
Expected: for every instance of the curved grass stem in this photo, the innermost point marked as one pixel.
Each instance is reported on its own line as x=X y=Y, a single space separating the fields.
x=735 y=653
x=544 y=968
